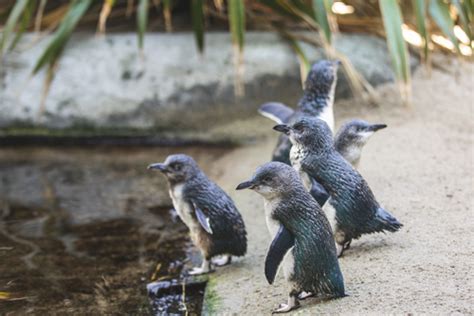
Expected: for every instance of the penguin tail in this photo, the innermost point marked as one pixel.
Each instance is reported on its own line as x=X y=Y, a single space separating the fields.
x=386 y=221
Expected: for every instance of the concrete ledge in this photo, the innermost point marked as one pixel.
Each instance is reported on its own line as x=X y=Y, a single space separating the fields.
x=104 y=86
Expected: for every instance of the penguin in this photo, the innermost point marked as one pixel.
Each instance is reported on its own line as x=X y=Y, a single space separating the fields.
x=302 y=242
x=352 y=137
x=352 y=208
x=349 y=141
x=317 y=101
x=215 y=225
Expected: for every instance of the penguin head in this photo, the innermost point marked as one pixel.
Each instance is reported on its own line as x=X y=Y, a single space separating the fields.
x=177 y=168
x=272 y=180
x=313 y=133
x=356 y=132
x=322 y=76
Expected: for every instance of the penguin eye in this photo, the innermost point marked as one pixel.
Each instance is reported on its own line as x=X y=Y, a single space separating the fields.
x=298 y=127
x=176 y=167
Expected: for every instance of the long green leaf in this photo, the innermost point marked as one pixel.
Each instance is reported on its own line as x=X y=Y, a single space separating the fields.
x=439 y=11
x=321 y=16
x=167 y=15
x=463 y=12
x=420 y=14
x=12 y=21
x=142 y=21
x=237 y=22
x=25 y=22
x=197 y=12
x=62 y=34
x=392 y=20
x=303 y=60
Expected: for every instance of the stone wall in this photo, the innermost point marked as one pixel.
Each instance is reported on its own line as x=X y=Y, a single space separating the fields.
x=106 y=86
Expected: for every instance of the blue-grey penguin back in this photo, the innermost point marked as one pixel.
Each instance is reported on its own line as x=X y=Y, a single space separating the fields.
x=357 y=210
x=228 y=230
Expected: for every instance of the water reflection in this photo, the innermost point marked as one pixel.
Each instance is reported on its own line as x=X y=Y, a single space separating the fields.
x=84 y=231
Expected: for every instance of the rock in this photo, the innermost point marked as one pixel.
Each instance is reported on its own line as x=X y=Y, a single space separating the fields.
x=104 y=86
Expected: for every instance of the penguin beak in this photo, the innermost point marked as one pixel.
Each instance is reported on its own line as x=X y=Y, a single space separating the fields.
x=245 y=185
x=376 y=127
x=158 y=166
x=282 y=128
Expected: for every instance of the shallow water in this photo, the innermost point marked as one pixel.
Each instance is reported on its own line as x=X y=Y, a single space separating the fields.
x=86 y=230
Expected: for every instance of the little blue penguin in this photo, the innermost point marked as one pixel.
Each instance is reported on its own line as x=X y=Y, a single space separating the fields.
x=352 y=208
x=351 y=138
x=349 y=141
x=303 y=239
x=216 y=226
x=317 y=101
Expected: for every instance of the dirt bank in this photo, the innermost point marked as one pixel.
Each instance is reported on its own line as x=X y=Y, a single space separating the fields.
x=421 y=169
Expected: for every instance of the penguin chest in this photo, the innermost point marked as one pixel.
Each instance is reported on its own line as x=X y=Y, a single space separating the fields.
x=272 y=224
x=327 y=114
x=297 y=155
x=330 y=213
x=352 y=155
x=183 y=208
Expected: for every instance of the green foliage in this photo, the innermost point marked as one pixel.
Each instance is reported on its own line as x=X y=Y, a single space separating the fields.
x=197 y=13
x=62 y=34
x=439 y=10
x=25 y=21
x=420 y=15
x=321 y=16
x=237 y=22
x=142 y=21
x=12 y=21
x=392 y=19
x=464 y=9
x=311 y=14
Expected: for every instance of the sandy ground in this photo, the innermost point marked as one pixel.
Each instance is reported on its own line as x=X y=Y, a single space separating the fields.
x=421 y=169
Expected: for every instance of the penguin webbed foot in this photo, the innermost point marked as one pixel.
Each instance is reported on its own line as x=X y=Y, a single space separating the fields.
x=291 y=305
x=304 y=295
x=347 y=245
x=199 y=271
x=203 y=269
x=222 y=261
x=339 y=250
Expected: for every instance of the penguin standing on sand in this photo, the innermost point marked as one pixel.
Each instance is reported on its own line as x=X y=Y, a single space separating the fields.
x=352 y=208
x=303 y=238
x=317 y=101
x=216 y=226
x=349 y=141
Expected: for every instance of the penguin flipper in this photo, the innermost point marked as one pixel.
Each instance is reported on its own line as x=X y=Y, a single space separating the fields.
x=276 y=111
x=281 y=244
x=318 y=192
x=202 y=219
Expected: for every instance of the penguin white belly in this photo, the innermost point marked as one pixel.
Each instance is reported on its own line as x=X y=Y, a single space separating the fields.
x=273 y=226
x=184 y=210
x=352 y=155
x=330 y=213
x=289 y=264
x=327 y=115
